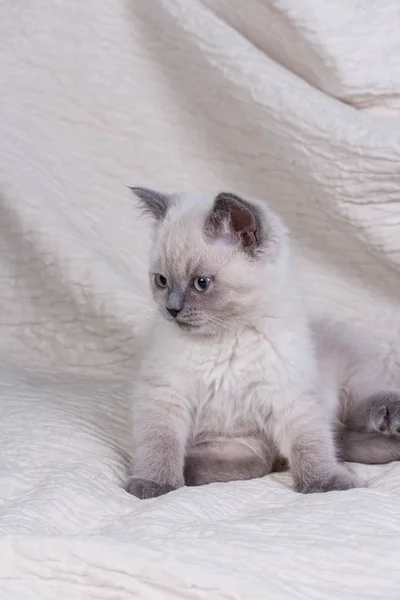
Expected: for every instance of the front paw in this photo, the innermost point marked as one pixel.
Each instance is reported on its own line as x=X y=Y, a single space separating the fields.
x=384 y=413
x=143 y=488
x=338 y=480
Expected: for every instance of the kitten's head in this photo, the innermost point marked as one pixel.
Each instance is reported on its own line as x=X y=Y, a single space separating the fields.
x=212 y=259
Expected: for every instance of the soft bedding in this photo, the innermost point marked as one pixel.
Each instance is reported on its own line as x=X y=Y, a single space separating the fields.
x=293 y=102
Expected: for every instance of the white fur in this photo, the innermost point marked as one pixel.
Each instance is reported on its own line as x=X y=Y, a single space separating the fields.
x=255 y=380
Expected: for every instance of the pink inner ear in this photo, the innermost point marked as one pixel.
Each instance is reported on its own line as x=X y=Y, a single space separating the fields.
x=242 y=220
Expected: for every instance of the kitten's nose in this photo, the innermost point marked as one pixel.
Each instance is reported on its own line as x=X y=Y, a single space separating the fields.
x=174 y=312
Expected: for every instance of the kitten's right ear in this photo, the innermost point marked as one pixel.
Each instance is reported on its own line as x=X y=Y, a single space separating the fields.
x=153 y=203
x=234 y=221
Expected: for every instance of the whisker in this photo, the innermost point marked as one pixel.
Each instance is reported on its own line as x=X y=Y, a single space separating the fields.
x=216 y=320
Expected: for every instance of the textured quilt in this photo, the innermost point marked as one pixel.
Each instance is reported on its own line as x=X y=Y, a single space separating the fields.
x=293 y=101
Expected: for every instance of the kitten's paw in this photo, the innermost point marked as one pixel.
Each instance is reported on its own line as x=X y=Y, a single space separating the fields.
x=143 y=488
x=384 y=413
x=339 y=480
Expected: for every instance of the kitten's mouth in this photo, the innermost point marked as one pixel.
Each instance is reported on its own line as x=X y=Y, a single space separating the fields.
x=187 y=326
x=183 y=325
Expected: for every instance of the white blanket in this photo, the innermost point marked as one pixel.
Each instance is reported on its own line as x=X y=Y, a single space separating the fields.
x=293 y=101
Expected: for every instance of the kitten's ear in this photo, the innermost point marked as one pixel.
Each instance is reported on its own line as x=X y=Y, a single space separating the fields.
x=235 y=220
x=153 y=203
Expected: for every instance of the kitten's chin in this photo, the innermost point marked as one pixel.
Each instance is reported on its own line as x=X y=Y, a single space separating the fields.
x=193 y=328
x=188 y=327
x=199 y=330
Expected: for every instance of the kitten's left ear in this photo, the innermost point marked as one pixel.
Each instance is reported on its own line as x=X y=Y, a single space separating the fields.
x=237 y=221
x=154 y=203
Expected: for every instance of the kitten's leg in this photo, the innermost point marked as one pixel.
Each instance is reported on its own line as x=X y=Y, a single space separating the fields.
x=372 y=429
x=304 y=436
x=160 y=430
x=380 y=412
x=226 y=461
x=367 y=448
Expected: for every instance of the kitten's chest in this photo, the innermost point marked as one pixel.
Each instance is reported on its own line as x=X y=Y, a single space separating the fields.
x=233 y=385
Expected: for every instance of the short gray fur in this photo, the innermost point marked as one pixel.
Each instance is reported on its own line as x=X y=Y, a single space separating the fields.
x=144 y=489
x=153 y=203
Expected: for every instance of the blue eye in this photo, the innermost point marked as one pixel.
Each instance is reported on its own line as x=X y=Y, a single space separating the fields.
x=202 y=284
x=160 y=281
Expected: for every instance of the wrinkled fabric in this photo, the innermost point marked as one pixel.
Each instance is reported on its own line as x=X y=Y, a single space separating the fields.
x=292 y=101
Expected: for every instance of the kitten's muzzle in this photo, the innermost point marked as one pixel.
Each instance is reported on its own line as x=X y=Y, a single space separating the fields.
x=174 y=312
x=175 y=301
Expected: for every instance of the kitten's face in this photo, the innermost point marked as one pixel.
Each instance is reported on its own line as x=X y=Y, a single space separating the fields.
x=212 y=287
x=208 y=262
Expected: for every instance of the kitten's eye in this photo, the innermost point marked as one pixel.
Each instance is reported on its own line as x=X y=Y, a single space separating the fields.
x=160 y=281
x=202 y=283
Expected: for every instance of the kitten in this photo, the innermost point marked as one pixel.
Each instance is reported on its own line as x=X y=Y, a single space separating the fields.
x=229 y=384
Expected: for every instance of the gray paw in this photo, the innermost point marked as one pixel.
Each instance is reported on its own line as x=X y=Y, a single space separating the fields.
x=384 y=413
x=143 y=488
x=341 y=479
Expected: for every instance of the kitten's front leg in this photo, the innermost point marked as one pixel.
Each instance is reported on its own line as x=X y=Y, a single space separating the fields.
x=161 y=424
x=304 y=436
